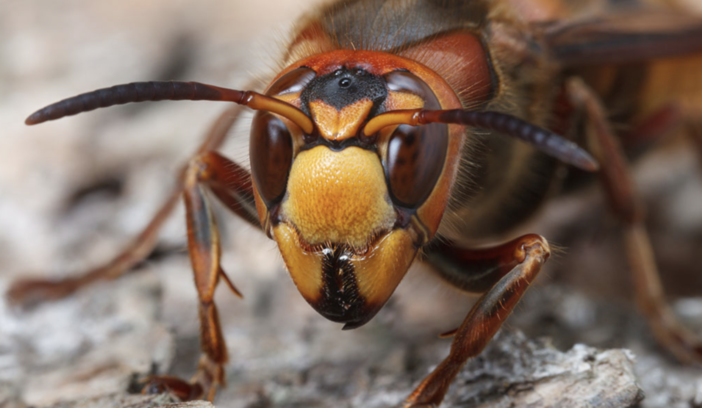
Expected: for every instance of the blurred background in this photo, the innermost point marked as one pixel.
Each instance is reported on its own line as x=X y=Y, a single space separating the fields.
x=73 y=192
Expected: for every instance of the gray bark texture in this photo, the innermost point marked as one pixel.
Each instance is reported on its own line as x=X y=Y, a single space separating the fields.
x=298 y=366
x=73 y=192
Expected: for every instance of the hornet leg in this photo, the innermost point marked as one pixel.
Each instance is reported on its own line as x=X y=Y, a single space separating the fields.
x=622 y=197
x=232 y=184
x=28 y=292
x=505 y=273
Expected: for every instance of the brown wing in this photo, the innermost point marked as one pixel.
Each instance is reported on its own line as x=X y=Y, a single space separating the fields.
x=624 y=37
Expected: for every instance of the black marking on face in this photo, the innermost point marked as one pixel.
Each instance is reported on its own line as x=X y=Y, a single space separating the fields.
x=345 y=87
x=340 y=300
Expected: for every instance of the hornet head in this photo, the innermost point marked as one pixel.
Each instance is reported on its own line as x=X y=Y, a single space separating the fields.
x=350 y=211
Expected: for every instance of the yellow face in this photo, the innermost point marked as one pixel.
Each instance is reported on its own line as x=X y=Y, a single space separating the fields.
x=336 y=232
x=323 y=202
x=349 y=212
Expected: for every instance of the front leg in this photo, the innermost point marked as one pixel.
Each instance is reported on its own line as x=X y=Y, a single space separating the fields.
x=232 y=185
x=527 y=254
x=31 y=291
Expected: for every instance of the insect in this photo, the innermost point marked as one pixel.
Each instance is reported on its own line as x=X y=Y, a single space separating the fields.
x=395 y=123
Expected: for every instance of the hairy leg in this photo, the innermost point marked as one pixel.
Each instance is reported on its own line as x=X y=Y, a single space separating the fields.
x=509 y=269
x=28 y=292
x=208 y=172
x=621 y=194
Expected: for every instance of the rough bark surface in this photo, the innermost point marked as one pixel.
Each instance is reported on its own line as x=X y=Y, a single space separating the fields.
x=132 y=401
x=89 y=350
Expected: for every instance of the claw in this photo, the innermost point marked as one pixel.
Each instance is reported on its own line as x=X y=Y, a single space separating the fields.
x=412 y=405
x=175 y=386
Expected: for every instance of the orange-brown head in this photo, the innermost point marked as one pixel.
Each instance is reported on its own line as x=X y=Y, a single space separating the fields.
x=349 y=212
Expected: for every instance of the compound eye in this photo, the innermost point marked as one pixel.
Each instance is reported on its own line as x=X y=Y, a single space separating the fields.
x=416 y=156
x=271 y=154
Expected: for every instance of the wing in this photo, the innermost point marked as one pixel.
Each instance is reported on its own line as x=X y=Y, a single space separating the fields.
x=624 y=37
